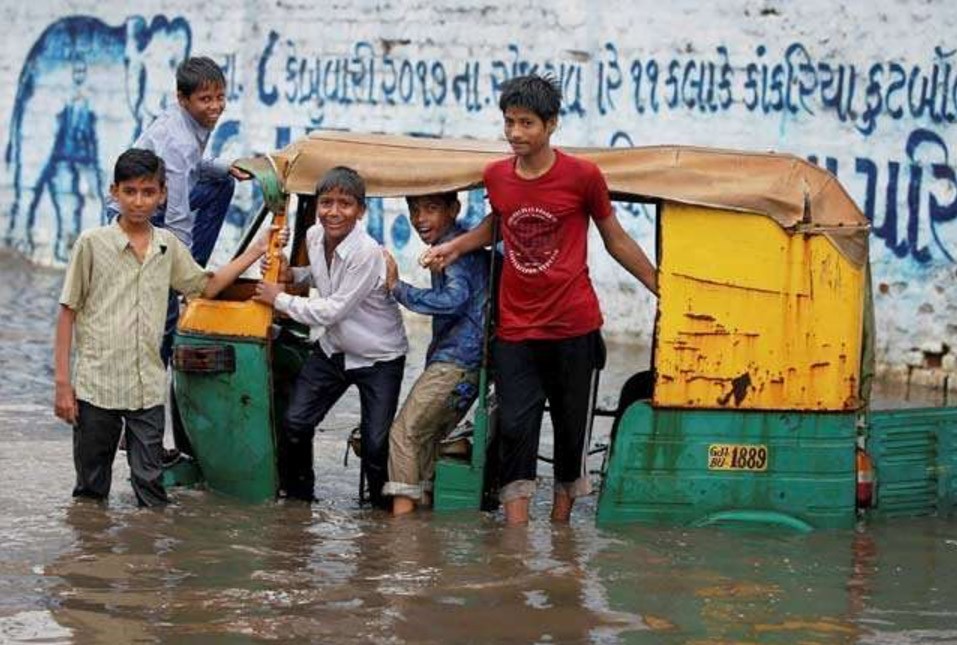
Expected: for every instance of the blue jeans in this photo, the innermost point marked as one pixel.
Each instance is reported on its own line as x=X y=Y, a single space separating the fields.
x=209 y=200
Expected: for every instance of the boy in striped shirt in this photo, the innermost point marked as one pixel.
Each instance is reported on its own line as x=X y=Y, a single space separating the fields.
x=113 y=305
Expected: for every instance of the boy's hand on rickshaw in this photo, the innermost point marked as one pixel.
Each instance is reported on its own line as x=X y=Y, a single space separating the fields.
x=391 y=270
x=64 y=405
x=285 y=273
x=438 y=257
x=266 y=292
x=239 y=174
x=262 y=242
x=271 y=254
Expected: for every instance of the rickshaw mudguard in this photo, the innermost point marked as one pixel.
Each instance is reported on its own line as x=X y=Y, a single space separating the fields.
x=223 y=387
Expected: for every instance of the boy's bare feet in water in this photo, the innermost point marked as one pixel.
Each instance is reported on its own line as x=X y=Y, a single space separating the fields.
x=516 y=511
x=402 y=505
x=562 y=506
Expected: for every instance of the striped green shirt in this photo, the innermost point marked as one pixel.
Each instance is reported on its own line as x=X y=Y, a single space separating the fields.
x=120 y=307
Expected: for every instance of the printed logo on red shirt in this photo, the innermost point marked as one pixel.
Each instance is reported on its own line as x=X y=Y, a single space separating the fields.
x=533 y=244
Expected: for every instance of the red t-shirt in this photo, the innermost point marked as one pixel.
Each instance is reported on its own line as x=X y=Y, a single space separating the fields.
x=546 y=292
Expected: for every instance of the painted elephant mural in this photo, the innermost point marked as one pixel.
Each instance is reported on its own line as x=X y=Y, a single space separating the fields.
x=81 y=77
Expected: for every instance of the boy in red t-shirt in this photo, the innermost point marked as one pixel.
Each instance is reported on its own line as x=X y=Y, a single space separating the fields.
x=548 y=341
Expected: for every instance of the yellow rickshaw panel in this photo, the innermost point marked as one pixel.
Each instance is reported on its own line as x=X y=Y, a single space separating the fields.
x=226 y=318
x=752 y=317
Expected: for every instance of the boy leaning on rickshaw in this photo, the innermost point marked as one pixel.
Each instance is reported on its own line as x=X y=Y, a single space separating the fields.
x=445 y=390
x=114 y=302
x=362 y=342
x=548 y=342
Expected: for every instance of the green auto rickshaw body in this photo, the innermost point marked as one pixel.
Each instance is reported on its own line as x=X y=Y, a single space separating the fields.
x=762 y=353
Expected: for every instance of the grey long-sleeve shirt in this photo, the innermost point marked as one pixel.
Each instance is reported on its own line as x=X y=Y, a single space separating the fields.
x=180 y=142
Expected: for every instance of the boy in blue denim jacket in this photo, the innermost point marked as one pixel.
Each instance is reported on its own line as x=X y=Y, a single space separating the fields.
x=444 y=392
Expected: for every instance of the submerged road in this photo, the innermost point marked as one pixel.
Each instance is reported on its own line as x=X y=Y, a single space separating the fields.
x=211 y=570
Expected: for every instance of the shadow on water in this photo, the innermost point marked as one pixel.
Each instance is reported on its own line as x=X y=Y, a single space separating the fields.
x=211 y=570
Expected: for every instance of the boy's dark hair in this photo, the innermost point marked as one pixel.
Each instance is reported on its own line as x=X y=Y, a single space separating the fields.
x=540 y=94
x=139 y=162
x=196 y=72
x=448 y=197
x=345 y=179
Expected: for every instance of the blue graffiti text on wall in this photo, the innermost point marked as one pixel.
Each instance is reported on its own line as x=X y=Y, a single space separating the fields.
x=927 y=182
x=795 y=83
x=288 y=74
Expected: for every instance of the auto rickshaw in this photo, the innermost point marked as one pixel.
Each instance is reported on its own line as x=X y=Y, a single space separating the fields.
x=756 y=409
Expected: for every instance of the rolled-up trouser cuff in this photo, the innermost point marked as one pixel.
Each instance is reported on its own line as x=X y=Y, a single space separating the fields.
x=516 y=490
x=580 y=487
x=413 y=491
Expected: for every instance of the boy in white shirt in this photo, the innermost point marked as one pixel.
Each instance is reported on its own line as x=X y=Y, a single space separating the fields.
x=363 y=344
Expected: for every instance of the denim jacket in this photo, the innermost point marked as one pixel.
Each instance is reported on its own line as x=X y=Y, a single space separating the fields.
x=456 y=301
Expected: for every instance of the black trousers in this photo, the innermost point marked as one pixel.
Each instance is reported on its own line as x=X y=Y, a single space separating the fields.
x=527 y=373
x=320 y=384
x=95 y=438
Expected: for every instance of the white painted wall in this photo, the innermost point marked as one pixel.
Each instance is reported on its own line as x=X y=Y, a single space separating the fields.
x=867 y=89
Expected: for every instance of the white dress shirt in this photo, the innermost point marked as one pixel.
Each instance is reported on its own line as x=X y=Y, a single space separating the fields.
x=360 y=317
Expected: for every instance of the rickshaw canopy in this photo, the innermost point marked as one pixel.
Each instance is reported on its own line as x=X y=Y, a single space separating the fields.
x=799 y=196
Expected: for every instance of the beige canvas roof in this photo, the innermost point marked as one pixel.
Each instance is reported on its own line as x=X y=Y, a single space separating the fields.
x=798 y=195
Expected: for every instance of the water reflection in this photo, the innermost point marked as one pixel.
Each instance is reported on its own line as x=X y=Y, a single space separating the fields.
x=514 y=585
x=209 y=569
x=285 y=571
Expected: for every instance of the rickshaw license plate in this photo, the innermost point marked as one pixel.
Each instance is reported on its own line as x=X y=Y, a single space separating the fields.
x=737 y=456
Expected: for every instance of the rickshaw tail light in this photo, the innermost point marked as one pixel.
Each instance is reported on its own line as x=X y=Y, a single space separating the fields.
x=865 y=480
x=204 y=359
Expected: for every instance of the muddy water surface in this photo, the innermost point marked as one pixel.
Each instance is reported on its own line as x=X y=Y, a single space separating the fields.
x=210 y=570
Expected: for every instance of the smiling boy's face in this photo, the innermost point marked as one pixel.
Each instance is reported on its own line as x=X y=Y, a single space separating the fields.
x=432 y=216
x=206 y=104
x=338 y=212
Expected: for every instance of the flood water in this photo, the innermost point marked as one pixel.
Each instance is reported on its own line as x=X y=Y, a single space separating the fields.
x=210 y=570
